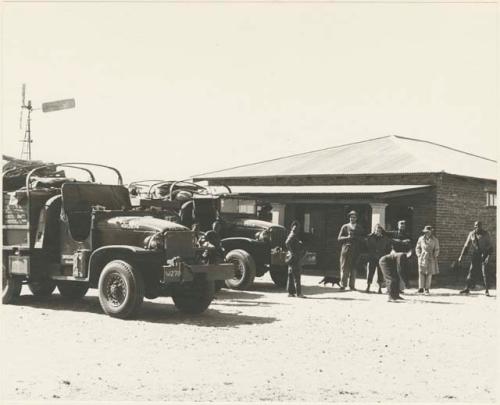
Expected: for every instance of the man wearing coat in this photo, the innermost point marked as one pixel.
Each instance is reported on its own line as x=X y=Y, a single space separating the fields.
x=427 y=250
x=479 y=243
x=351 y=237
x=296 y=253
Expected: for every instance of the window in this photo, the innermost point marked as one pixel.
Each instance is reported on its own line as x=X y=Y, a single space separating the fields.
x=246 y=207
x=238 y=206
x=491 y=199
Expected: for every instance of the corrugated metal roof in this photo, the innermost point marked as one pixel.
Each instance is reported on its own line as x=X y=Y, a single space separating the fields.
x=363 y=189
x=389 y=154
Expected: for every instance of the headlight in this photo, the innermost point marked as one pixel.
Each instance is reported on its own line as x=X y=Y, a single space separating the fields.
x=154 y=242
x=263 y=235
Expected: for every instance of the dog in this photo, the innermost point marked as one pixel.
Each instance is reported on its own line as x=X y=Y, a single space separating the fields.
x=330 y=279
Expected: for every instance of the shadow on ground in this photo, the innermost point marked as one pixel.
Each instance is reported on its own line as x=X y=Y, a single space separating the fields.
x=150 y=312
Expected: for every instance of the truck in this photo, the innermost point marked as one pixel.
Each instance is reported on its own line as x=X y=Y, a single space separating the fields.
x=254 y=246
x=80 y=234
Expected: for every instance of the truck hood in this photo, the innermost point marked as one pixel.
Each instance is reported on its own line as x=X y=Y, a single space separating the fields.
x=143 y=223
x=255 y=223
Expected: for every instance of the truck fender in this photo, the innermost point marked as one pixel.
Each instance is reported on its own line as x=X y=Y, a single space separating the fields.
x=239 y=243
x=102 y=255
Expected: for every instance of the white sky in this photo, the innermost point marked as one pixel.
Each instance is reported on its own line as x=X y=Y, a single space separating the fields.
x=168 y=90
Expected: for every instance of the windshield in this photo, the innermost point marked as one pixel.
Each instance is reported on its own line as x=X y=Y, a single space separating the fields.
x=238 y=206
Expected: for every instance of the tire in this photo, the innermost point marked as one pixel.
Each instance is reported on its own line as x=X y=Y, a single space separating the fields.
x=279 y=275
x=43 y=288
x=193 y=297
x=72 y=289
x=11 y=286
x=245 y=273
x=121 y=289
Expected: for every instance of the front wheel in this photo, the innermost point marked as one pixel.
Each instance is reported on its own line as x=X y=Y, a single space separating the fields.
x=279 y=275
x=121 y=289
x=193 y=297
x=244 y=274
x=11 y=286
x=43 y=288
x=72 y=289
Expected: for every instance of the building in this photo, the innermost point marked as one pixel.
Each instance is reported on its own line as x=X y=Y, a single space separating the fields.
x=385 y=179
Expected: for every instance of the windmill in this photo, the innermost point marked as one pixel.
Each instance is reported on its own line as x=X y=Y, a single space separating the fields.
x=46 y=107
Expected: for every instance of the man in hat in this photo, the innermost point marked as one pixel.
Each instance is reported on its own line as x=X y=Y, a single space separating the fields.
x=402 y=243
x=479 y=243
x=266 y=212
x=351 y=238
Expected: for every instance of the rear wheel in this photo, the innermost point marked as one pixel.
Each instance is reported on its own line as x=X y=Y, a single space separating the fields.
x=244 y=274
x=11 y=286
x=121 y=289
x=73 y=289
x=279 y=275
x=43 y=288
x=193 y=297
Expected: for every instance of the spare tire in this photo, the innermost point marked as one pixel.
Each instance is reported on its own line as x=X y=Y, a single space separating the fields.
x=193 y=297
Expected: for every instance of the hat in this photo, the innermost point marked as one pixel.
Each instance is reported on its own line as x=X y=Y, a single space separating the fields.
x=352 y=213
x=427 y=228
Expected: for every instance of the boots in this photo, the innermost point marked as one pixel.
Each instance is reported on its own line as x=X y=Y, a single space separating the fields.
x=368 y=288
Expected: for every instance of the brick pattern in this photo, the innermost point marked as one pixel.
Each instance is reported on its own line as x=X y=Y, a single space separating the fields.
x=460 y=202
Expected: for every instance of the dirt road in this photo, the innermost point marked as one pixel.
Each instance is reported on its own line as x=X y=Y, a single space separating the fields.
x=256 y=345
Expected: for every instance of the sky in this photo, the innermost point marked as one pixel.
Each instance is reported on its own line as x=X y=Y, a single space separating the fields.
x=170 y=90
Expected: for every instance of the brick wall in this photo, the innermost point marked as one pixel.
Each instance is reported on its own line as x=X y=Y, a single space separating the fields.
x=460 y=202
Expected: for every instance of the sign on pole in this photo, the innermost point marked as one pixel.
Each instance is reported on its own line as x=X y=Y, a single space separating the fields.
x=58 y=105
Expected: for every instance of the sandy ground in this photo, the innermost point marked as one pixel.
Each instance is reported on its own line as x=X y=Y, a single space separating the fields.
x=255 y=345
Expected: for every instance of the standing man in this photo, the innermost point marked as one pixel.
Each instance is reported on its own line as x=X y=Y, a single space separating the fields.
x=402 y=243
x=266 y=212
x=391 y=267
x=479 y=242
x=378 y=245
x=295 y=254
x=351 y=237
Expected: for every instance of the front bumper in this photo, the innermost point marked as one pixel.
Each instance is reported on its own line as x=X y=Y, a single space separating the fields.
x=181 y=272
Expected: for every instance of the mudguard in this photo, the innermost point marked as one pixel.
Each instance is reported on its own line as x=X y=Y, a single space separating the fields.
x=97 y=257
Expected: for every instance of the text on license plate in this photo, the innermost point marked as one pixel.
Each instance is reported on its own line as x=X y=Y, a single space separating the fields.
x=172 y=273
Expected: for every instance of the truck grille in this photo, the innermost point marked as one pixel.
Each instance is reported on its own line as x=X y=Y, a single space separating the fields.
x=277 y=236
x=179 y=243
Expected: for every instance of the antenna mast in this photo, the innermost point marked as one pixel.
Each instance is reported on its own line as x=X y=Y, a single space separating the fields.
x=46 y=107
x=26 y=151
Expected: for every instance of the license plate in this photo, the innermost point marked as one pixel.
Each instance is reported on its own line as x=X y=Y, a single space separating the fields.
x=172 y=273
x=19 y=265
